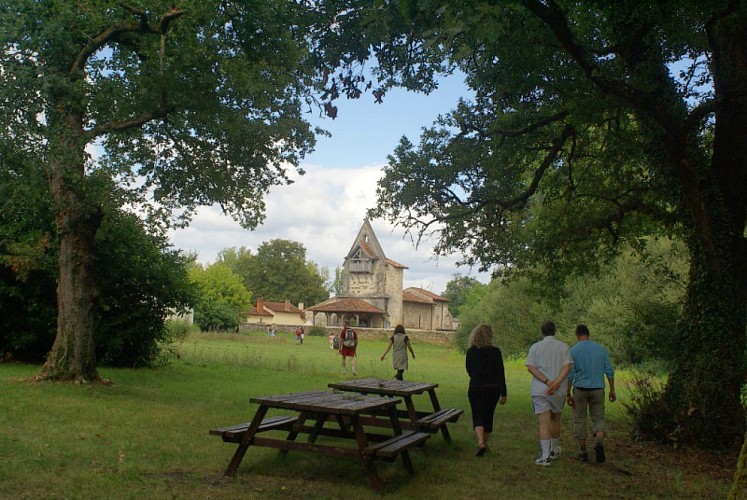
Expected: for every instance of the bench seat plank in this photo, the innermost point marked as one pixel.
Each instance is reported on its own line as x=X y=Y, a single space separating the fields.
x=391 y=447
x=437 y=419
x=235 y=433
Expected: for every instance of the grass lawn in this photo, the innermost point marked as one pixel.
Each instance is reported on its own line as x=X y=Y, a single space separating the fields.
x=146 y=435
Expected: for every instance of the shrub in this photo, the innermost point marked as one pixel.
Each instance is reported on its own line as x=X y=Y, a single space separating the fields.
x=652 y=417
x=316 y=331
x=178 y=329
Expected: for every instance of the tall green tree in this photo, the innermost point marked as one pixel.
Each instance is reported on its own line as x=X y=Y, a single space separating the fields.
x=190 y=103
x=223 y=301
x=280 y=271
x=338 y=286
x=593 y=124
x=141 y=279
x=457 y=291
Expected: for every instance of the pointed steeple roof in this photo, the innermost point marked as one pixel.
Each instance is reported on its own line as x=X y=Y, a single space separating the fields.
x=367 y=241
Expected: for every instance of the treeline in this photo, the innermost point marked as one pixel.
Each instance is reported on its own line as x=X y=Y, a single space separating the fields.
x=631 y=305
x=279 y=270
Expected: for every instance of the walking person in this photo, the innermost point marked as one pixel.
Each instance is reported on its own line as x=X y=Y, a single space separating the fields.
x=591 y=362
x=487 y=383
x=348 y=345
x=400 y=343
x=549 y=362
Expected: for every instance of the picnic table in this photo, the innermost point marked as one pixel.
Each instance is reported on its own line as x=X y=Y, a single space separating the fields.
x=319 y=407
x=422 y=421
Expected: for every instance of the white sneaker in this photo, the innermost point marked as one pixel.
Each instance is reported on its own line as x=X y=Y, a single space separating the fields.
x=554 y=454
x=543 y=461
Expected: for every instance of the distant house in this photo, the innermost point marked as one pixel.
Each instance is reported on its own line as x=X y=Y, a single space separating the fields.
x=280 y=313
x=426 y=310
x=373 y=294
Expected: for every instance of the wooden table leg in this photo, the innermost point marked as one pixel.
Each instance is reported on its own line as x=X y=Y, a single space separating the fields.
x=411 y=412
x=397 y=427
x=360 y=438
x=320 y=419
x=238 y=456
x=293 y=434
x=436 y=407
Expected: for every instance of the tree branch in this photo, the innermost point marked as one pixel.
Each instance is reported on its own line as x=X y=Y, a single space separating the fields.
x=520 y=200
x=528 y=129
x=553 y=16
x=700 y=112
x=112 y=32
x=135 y=122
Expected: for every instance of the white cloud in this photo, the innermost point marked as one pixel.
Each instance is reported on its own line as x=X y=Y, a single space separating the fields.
x=323 y=210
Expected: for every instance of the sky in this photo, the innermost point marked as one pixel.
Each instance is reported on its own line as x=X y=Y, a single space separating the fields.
x=325 y=208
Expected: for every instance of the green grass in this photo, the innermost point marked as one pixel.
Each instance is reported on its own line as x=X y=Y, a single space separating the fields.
x=146 y=436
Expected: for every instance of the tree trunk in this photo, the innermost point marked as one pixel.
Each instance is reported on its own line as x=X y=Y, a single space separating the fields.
x=73 y=354
x=704 y=390
x=77 y=218
x=739 y=488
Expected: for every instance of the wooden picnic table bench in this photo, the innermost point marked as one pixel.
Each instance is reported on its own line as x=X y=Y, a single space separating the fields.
x=424 y=421
x=346 y=410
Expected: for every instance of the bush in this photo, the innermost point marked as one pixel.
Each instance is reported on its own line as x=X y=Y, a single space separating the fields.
x=652 y=417
x=316 y=331
x=178 y=329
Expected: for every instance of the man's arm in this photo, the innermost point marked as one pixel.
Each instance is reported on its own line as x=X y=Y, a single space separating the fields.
x=554 y=384
x=536 y=373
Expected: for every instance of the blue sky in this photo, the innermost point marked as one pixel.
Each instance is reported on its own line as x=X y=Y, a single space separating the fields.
x=325 y=208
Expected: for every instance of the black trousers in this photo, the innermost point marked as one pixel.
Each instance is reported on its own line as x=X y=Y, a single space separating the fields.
x=483 y=401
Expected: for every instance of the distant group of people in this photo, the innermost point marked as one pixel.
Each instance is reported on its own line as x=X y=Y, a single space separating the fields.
x=559 y=375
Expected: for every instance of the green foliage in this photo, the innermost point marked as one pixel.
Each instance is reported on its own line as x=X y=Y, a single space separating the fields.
x=139 y=279
x=458 y=291
x=513 y=312
x=178 y=329
x=337 y=284
x=184 y=105
x=223 y=301
x=316 y=331
x=279 y=271
x=651 y=415
x=632 y=306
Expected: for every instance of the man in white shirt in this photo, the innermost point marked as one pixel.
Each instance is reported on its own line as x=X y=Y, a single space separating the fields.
x=549 y=362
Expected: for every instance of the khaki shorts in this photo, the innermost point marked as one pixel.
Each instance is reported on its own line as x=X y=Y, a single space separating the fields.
x=593 y=400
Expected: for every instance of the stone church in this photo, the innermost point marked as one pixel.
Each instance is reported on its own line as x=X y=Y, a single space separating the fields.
x=373 y=294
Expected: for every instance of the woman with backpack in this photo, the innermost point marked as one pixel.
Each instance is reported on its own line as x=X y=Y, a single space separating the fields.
x=349 y=340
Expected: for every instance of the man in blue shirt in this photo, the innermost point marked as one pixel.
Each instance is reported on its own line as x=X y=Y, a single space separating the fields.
x=591 y=362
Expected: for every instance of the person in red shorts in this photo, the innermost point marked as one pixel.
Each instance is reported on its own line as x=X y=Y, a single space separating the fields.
x=348 y=344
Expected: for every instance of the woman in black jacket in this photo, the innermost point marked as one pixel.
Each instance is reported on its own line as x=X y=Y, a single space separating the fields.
x=487 y=383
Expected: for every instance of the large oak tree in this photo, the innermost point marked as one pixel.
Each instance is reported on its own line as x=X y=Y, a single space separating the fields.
x=593 y=123
x=192 y=103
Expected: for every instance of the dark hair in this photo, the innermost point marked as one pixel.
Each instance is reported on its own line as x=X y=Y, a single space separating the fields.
x=399 y=329
x=582 y=330
x=548 y=328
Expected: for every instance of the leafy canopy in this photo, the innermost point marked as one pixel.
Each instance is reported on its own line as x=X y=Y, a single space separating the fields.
x=279 y=271
x=209 y=111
